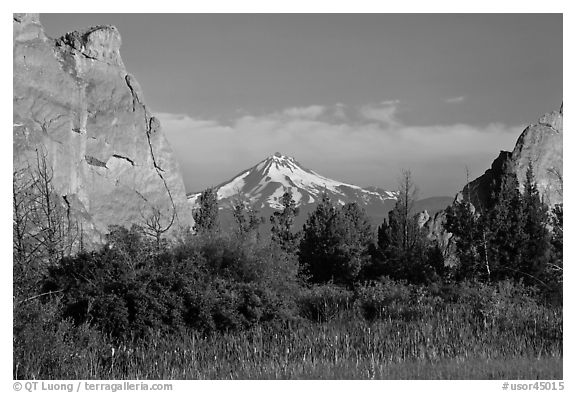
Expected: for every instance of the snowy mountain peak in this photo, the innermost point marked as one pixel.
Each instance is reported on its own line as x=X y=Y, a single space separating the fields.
x=264 y=184
x=279 y=162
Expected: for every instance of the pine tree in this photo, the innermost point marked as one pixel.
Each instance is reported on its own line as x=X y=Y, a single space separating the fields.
x=380 y=253
x=403 y=213
x=247 y=220
x=206 y=215
x=283 y=222
x=553 y=274
x=505 y=224
x=335 y=243
x=402 y=248
x=467 y=229
x=355 y=243
x=537 y=246
x=557 y=238
x=384 y=239
x=319 y=240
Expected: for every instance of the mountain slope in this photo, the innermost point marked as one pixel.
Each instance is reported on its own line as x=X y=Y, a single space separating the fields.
x=263 y=185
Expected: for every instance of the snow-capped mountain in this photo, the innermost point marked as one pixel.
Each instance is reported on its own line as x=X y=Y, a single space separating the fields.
x=264 y=184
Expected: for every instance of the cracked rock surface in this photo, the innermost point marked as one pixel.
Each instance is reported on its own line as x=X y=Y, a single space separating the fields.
x=74 y=99
x=539 y=143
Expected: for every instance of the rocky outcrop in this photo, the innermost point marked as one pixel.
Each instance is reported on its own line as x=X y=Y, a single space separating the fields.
x=539 y=143
x=75 y=102
x=433 y=228
x=480 y=192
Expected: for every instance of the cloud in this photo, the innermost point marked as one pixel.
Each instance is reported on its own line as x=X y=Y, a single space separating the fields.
x=455 y=100
x=385 y=112
x=367 y=145
x=180 y=120
x=312 y=112
x=339 y=111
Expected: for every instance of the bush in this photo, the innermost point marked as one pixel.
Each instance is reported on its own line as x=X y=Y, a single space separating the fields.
x=381 y=299
x=321 y=303
x=507 y=304
x=129 y=288
x=49 y=347
x=222 y=305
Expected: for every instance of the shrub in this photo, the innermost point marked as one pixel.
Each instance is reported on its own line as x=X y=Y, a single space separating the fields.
x=129 y=289
x=321 y=303
x=507 y=304
x=49 y=347
x=381 y=299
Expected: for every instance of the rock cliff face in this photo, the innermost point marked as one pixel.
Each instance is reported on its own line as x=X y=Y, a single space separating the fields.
x=433 y=228
x=540 y=143
x=75 y=102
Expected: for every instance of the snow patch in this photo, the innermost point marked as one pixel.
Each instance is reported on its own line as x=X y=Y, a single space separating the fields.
x=233 y=187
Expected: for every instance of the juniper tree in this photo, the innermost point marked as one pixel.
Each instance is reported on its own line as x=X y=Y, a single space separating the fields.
x=355 y=243
x=557 y=240
x=553 y=274
x=505 y=225
x=206 y=215
x=401 y=241
x=283 y=223
x=537 y=245
x=403 y=213
x=319 y=240
x=467 y=229
x=247 y=220
x=335 y=243
x=384 y=239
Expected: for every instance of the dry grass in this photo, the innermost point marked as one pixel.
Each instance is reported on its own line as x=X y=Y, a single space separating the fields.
x=446 y=345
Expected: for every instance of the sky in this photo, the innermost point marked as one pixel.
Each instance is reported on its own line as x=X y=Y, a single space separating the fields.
x=355 y=97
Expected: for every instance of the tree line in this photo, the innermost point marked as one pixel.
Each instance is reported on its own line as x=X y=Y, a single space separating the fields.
x=214 y=278
x=516 y=237
x=73 y=302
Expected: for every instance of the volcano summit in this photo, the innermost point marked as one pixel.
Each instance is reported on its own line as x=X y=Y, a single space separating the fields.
x=262 y=187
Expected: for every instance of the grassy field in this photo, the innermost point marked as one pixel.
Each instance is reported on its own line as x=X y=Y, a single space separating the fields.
x=447 y=345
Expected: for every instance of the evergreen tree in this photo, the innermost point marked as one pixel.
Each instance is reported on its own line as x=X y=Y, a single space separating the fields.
x=435 y=261
x=505 y=224
x=384 y=239
x=206 y=216
x=537 y=245
x=470 y=234
x=335 y=243
x=354 y=246
x=319 y=241
x=283 y=222
x=403 y=214
x=380 y=254
x=553 y=274
x=390 y=258
x=247 y=220
x=557 y=240
x=511 y=240
x=402 y=248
